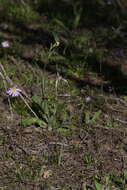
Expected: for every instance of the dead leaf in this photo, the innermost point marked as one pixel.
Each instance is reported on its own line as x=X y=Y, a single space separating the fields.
x=47 y=174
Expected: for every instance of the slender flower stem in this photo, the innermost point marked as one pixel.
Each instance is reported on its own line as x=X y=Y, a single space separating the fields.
x=5 y=77
x=5 y=86
x=29 y=106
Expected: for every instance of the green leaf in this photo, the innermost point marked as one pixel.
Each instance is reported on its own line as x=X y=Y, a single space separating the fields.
x=87 y=117
x=57 y=58
x=98 y=186
x=46 y=108
x=125 y=175
x=96 y=115
x=33 y=120
x=63 y=131
x=37 y=100
x=60 y=23
x=71 y=127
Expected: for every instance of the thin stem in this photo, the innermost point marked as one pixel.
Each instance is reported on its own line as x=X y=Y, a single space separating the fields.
x=5 y=75
x=29 y=106
x=5 y=86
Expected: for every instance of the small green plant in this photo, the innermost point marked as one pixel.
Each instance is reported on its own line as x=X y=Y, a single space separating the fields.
x=50 y=54
x=120 y=181
x=97 y=184
x=77 y=10
x=23 y=13
x=109 y=182
x=88 y=160
x=92 y=119
x=46 y=113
